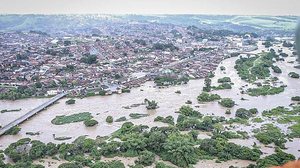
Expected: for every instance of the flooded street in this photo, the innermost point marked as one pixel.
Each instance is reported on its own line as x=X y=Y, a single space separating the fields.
x=168 y=101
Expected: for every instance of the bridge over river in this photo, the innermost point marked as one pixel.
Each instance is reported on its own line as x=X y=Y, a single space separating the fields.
x=31 y=113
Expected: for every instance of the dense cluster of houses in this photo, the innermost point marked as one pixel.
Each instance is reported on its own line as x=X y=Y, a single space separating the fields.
x=108 y=59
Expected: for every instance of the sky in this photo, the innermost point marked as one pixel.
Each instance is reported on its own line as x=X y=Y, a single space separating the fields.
x=217 y=7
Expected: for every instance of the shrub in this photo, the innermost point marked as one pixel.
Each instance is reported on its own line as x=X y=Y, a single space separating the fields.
x=162 y=165
x=227 y=102
x=206 y=97
x=223 y=86
x=70 y=101
x=223 y=80
x=228 y=111
x=146 y=158
x=189 y=111
x=293 y=75
x=109 y=119
x=137 y=115
x=253 y=110
x=125 y=90
x=296 y=98
x=13 y=131
x=150 y=105
x=178 y=91
x=102 y=92
x=168 y=119
x=258 y=120
x=90 y=123
x=276 y=69
x=121 y=119
x=243 y=113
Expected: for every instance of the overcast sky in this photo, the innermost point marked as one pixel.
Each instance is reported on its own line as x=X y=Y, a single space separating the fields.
x=240 y=7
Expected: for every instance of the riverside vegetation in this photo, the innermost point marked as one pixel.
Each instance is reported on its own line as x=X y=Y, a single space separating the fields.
x=169 y=143
x=178 y=142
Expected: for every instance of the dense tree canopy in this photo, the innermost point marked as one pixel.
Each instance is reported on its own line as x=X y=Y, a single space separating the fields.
x=227 y=102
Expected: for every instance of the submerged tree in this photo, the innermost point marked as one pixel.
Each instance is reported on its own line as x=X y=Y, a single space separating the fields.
x=150 y=105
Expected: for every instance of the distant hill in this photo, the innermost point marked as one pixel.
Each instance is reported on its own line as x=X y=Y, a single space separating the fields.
x=51 y=23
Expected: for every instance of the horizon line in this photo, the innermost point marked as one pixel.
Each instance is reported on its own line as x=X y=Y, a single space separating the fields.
x=145 y=14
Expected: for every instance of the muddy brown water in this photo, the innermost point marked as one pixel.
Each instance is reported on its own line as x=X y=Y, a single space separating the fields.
x=168 y=101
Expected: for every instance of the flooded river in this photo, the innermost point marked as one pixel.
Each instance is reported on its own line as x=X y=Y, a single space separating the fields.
x=168 y=101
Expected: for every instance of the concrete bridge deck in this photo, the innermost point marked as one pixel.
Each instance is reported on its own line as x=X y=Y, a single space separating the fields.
x=31 y=113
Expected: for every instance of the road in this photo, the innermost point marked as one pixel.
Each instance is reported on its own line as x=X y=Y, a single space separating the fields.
x=31 y=113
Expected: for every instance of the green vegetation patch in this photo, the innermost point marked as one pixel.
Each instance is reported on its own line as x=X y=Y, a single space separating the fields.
x=285 y=116
x=89 y=59
x=257 y=120
x=146 y=158
x=295 y=98
x=109 y=119
x=222 y=68
x=60 y=120
x=224 y=79
x=189 y=111
x=182 y=150
x=137 y=115
x=245 y=114
x=222 y=86
x=207 y=123
x=121 y=119
x=280 y=111
x=20 y=92
x=225 y=150
x=235 y=135
x=151 y=104
x=207 y=85
x=7 y=111
x=13 y=131
x=253 y=68
x=70 y=101
x=162 y=165
x=295 y=130
x=125 y=90
x=238 y=121
x=90 y=122
x=168 y=119
x=206 y=97
x=70 y=165
x=294 y=75
x=276 y=69
x=227 y=102
x=277 y=159
x=110 y=164
x=265 y=90
x=271 y=134
x=167 y=81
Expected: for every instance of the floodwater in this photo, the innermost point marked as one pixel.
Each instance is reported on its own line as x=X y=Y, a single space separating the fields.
x=168 y=101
